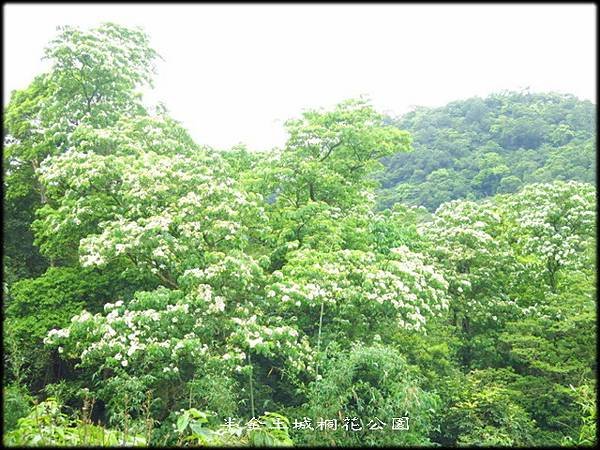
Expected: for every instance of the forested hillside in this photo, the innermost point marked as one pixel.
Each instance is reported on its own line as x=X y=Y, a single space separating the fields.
x=160 y=292
x=480 y=147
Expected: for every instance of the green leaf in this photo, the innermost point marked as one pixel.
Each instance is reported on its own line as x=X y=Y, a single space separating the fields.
x=182 y=422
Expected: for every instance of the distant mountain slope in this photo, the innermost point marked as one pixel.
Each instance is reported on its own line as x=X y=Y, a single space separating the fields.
x=479 y=147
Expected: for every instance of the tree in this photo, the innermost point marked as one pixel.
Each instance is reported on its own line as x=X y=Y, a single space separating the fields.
x=93 y=82
x=556 y=223
x=328 y=154
x=534 y=137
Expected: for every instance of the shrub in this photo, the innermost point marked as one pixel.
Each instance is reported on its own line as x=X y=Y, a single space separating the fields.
x=370 y=384
x=17 y=403
x=46 y=425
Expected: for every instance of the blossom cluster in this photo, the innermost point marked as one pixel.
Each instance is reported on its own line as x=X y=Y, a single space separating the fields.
x=401 y=280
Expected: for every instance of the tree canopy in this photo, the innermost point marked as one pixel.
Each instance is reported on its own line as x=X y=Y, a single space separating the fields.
x=478 y=147
x=160 y=292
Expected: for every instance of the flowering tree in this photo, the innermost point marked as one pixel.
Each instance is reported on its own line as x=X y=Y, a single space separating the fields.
x=193 y=288
x=466 y=238
x=140 y=193
x=503 y=256
x=556 y=226
x=93 y=82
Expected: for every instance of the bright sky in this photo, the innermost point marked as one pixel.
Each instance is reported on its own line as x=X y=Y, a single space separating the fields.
x=234 y=73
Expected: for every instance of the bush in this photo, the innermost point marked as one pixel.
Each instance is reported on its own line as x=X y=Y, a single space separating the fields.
x=486 y=413
x=370 y=383
x=46 y=425
x=17 y=403
x=193 y=429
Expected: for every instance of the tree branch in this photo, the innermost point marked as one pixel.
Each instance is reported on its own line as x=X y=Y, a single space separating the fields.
x=333 y=147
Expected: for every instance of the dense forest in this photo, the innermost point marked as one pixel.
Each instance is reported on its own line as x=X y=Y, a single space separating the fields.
x=476 y=148
x=422 y=280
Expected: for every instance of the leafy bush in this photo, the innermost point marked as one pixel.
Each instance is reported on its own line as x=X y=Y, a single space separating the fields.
x=486 y=413
x=17 y=403
x=370 y=383
x=271 y=431
x=587 y=401
x=46 y=425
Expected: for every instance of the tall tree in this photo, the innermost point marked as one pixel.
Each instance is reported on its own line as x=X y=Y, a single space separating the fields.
x=93 y=81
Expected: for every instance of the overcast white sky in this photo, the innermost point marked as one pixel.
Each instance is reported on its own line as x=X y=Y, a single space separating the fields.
x=235 y=73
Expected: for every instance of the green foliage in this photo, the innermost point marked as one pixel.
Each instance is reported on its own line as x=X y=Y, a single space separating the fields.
x=17 y=403
x=147 y=274
x=328 y=154
x=370 y=383
x=92 y=83
x=46 y=425
x=585 y=398
x=487 y=414
x=556 y=224
x=99 y=70
x=477 y=147
x=324 y=170
x=21 y=258
x=268 y=430
x=191 y=420
x=36 y=306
